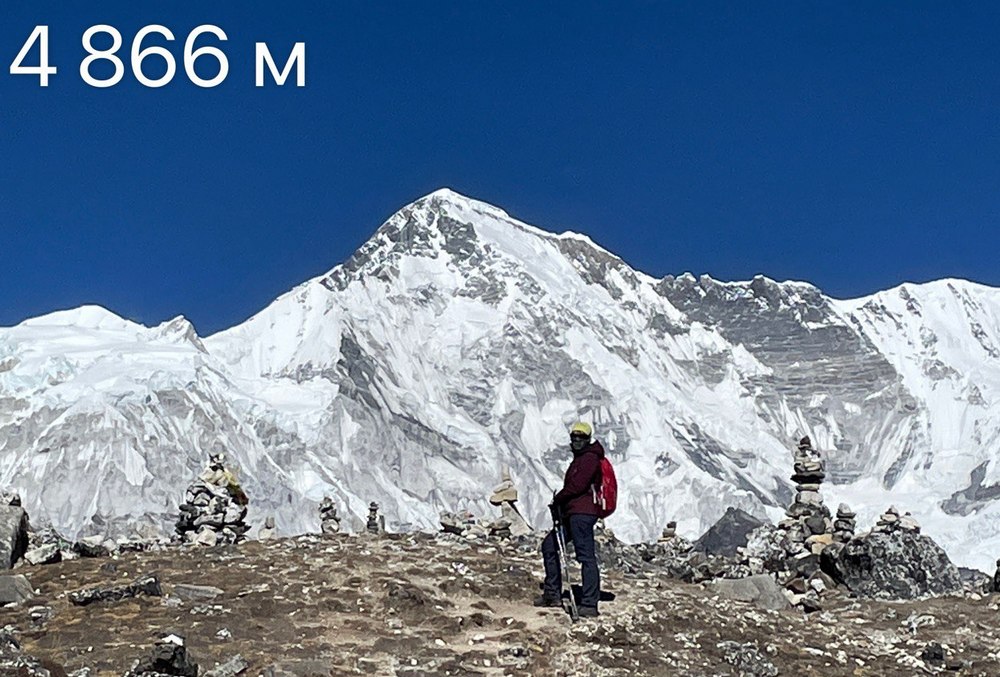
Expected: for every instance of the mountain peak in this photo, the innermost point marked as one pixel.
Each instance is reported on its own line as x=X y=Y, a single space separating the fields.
x=83 y=317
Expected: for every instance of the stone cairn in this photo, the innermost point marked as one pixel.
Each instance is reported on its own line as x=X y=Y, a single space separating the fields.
x=791 y=550
x=511 y=523
x=807 y=523
x=891 y=520
x=669 y=532
x=214 y=507
x=329 y=520
x=376 y=522
x=844 y=526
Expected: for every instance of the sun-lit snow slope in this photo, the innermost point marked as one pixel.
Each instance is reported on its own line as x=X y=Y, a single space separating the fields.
x=459 y=340
x=103 y=421
x=943 y=338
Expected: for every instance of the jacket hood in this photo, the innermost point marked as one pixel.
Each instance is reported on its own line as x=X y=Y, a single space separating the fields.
x=594 y=447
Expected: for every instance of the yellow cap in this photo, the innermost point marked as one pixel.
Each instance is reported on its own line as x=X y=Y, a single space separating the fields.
x=581 y=428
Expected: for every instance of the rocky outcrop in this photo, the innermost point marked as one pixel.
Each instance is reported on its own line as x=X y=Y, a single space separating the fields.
x=729 y=534
x=896 y=564
x=13 y=534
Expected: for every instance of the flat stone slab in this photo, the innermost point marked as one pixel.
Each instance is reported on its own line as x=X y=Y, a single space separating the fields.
x=189 y=592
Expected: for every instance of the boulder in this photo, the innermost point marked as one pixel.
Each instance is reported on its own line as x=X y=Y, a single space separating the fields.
x=168 y=657
x=13 y=534
x=15 y=589
x=45 y=554
x=760 y=589
x=91 y=546
x=728 y=534
x=894 y=564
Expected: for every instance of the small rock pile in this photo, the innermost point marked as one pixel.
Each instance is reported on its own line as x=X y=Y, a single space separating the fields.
x=891 y=520
x=669 y=532
x=463 y=524
x=376 y=522
x=214 y=507
x=329 y=520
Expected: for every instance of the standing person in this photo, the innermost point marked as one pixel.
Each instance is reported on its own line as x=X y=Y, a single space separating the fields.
x=578 y=503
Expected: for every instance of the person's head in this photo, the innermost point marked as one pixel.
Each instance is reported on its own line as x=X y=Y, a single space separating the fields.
x=579 y=435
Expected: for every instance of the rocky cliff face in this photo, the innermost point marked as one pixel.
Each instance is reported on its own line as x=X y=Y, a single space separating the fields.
x=459 y=340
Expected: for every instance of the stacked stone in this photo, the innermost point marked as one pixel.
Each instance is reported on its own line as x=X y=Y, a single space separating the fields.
x=376 y=522
x=808 y=524
x=511 y=522
x=891 y=520
x=214 y=508
x=844 y=526
x=329 y=520
x=669 y=533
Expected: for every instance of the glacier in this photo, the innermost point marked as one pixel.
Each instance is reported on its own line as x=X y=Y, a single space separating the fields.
x=459 y=340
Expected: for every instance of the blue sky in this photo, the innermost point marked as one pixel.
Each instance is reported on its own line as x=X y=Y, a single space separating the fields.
x=852 y=145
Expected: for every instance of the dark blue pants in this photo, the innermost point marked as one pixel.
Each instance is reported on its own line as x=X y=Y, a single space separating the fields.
x=580 y=531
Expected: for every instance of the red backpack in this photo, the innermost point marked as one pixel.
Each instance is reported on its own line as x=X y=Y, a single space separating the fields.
x=606 y=493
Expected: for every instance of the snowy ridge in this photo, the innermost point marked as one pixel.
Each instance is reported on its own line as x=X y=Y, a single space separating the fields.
x=458 y=340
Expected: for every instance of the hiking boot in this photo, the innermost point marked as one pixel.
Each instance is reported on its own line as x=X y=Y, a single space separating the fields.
x=547 y=601
x=588 y=612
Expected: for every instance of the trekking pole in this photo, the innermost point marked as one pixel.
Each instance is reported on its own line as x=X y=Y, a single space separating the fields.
x=557 y=525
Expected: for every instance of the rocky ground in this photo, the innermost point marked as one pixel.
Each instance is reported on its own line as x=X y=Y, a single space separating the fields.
x=437 y=605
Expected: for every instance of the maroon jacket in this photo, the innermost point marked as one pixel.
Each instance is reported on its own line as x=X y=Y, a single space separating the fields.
x=577 y=496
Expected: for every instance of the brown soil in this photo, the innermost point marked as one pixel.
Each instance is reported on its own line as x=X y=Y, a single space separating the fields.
x=418 y=605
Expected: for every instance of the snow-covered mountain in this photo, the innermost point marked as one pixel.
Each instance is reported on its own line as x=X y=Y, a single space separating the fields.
x=459 y=340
